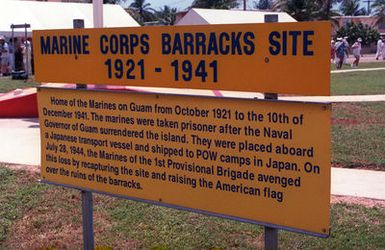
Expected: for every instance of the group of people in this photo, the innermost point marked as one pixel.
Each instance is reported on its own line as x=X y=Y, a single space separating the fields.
x=340 y=51
x=16 y=56
x=380 y=54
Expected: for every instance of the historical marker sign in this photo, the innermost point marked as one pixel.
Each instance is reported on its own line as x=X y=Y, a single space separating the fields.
x=258 y=161
x=290 y=58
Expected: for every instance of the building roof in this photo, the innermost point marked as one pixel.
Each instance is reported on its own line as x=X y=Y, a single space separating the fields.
x=57 y=15
x=215 y=16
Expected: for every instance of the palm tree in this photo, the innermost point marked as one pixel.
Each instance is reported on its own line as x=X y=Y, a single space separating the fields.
x=325 y=9
x=143 y=9
x=215 y=4
x=166 y=15
x=352 y=8
x=379 y=10
x=263 y=4
x=301 y=10
x=113 y=1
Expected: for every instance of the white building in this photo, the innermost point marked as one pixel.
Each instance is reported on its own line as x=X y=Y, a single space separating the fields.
x=58 y=15
x=215 y=16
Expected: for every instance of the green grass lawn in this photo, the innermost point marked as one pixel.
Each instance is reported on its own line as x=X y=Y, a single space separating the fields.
x=7 y=84
x=365 y=65
x=19 y=192
x=358 y=135
x=358 y=83
x=38 y=216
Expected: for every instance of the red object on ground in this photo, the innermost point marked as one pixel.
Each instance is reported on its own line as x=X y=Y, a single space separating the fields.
x=20 y=103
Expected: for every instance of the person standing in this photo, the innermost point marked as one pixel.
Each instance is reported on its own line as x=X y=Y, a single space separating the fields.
x=19 y=66
x=11 y=47
x=356 y=50
x=383 y=48
x=4 y=57
x=380 y=48
x=27 y=56
x=340 y=52
x=346 y=56
x=29 y=39
x=332 y=51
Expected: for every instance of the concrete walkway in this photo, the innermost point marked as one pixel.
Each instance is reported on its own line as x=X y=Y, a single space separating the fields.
x=365 y=58
x=354 y=70
x=336 y=98
x=332 y=99
x=359 y=183
x=20 y=144
x=20 y=141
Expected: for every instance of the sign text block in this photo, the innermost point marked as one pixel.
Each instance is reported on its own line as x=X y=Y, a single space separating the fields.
x=261 y=161
x=292 y=58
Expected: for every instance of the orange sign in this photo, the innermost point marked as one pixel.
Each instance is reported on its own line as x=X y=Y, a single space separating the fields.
x=290 y=58
x=260 y=161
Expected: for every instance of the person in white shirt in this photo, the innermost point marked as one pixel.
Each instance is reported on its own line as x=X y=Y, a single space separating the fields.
x=27 y=57
x=346 y=56
x=4 y=57
x=383 y=48
x=380 y=48
x=340 y=52
x=356 y=51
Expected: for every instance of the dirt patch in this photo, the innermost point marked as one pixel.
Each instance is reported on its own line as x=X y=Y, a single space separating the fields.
x=358 y=201
x=362 y=166
x=256 y=240
x=357 y=114
x=349 y=121
x=348 y=108
x=56 y=221
x=344 y=121
x=52 y=223
x=27 y=168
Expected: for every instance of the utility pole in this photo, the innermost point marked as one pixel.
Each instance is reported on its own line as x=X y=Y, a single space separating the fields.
x=97 y=6
x=368 y=2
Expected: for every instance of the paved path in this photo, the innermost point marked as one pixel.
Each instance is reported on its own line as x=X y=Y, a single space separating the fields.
x=359 y=183
x=337 y=98
x=333 y=99
x=365 y=58
x=354 y=70
x=20 y=144
x=20 y=141
x=253 y=95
